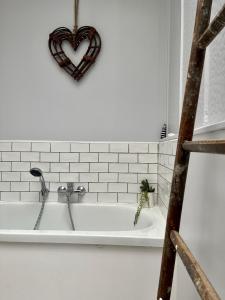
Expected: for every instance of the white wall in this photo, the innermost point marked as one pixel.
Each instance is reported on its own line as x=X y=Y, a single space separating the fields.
x=174 y=66
x=202 y=225
x=211 y=108
x=122 y=97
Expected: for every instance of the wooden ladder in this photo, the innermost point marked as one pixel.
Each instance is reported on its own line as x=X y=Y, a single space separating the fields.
x=204 y=34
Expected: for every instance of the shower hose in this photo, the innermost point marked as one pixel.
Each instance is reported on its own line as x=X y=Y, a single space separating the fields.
x=70 y=213
x=37 y=224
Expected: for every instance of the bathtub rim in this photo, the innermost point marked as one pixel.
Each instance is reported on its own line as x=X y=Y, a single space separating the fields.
x=147 y=237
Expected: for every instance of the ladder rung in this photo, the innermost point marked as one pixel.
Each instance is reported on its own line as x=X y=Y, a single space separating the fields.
x=213 y=29
x=210 y=146
x=200 y=280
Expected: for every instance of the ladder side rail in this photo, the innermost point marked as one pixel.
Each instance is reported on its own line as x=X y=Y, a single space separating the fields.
x=191 y=96
x=197 y=275
x=214 y=28
x=210 y=146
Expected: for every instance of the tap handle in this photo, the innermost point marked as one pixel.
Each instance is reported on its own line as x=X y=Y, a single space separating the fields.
x=81 y=190
x=61 y=190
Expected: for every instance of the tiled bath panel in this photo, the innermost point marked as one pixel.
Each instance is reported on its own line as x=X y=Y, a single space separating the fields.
x=166 y=158
x=110 y=172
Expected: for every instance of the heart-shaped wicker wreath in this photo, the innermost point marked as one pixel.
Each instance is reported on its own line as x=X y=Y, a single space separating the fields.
x=62 y=34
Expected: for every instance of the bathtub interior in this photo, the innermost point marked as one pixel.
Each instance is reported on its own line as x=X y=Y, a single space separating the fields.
x=87 y=217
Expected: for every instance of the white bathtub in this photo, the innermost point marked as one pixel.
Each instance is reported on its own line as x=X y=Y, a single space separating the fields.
x=103 y=224
x=96 y=262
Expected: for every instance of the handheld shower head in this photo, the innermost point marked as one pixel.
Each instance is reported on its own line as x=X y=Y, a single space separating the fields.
x=36 y=172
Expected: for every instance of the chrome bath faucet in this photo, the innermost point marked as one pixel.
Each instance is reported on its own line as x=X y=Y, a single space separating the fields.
x=66 y=192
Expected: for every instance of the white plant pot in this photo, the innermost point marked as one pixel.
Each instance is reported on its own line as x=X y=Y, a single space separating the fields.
x=151 y=199
x=150 y=203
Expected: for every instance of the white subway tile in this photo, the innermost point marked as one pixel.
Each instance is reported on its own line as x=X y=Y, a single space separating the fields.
x=10 y=156
x=21 y=166
x=69 y=157
x=155 y=186
x=99 y=147
x=138 y=148
x=53 y=197
x=128 y=158
x=30 y=156
x=88 y=157
x=133 y=188
x=119 y=147
x=130 y=178
x=120 y=168
x=5 y=146
x=20 y=186
x=152 y=168
x=69 y=177
x=26 y=176
x=148 y=158
x=4 y=186
x=44 y=166
x=55 y=185
x=138 y=168
x=79 y=167
x=51 y=177
x=174 y=145
x=108 y=177
x=49 y=157
x=169 y=148
x=36 y=186
x=59 y=167
x=164 y=196
x=153 y=147
x=21 y=146
x=10 y=176
x=88 y=177
x=117 y=187
x=41 y=146
x=79 y=147
x=161 y=146
x=5 y=166
x=171 y=161
x=60 y=147
x=10 y=196
x=84 y=184
x=89 y=198
x=30 y=196
x=108 y=157
x=107 y=197
x=162 y=207
x=152 y=178
x=165 y=160
x=165 y=173
x=97 y=187
x=127 y=198
x=99 y=167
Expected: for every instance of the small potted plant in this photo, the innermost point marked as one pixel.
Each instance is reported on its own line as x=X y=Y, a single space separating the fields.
x=147 y=193
x=145 y=198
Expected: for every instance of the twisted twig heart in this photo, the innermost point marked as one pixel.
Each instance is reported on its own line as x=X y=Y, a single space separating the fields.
x=58 y=36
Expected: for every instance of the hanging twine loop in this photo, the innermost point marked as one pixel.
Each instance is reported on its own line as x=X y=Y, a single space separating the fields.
x=76 y=8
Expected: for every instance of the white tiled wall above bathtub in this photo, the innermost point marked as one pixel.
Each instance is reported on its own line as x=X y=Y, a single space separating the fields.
x=110 y=172
x=166 y=158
